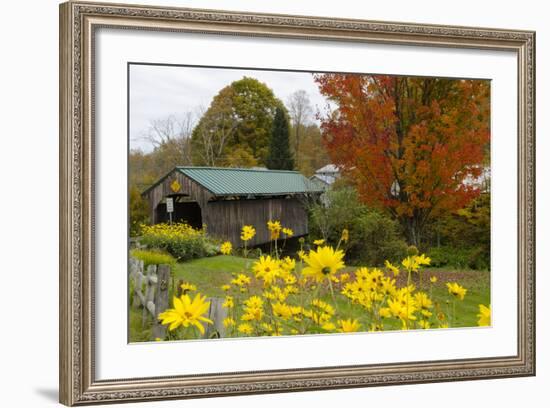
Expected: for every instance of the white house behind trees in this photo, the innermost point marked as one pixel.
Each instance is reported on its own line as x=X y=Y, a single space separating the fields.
x=326 y=175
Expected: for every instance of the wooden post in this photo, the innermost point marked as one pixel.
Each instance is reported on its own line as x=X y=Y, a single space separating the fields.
x=161 y=299
x=135 y=266
x=138 y=280
x=149 y=296
x=217 y=313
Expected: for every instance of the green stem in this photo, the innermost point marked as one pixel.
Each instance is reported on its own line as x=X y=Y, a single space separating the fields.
x=333 y=297
x=454 y=312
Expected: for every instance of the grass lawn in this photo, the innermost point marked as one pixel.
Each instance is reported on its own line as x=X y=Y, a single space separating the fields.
x=209 y=274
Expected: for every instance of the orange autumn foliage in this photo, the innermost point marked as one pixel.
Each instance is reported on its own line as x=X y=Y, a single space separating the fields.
x=408 y=143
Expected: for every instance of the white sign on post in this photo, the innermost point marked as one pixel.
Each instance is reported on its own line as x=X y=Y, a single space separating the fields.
x=169 y=204
x=170 y=207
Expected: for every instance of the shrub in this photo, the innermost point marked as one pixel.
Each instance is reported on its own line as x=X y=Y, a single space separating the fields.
x=460 y=258
x=479 y=258
x=373 y=236
x=464 y=236
x=180 y=240
x=339 y=210
x=153 y=257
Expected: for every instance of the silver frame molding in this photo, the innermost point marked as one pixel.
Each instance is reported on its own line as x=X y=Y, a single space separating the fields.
x=78 y=22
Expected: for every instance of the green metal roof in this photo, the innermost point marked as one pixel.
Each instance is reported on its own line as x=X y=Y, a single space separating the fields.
x=230 y=181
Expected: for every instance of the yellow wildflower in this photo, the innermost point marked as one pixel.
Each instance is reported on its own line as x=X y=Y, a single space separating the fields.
x=344 y=277
x=228 y=321
x=403 y=305
x=274 y=228
x=276 y=293
x=400 y=311
x=422 y=260
x=226 y=288
x=290 y=279
x=410 y=263
x=321 y=313
x=229 y=303
x=348 y=326
x=291 y=290
x=484 y=315
x=323 y=263
x=391 y=267
x=328 y=326
x=288 y=264
x=253 y=314
x=433 y=279
x=241 y=280
x=374 y=327
x=456 y=290
x=424 y=324
x=187 y=287
x=186 y=312
x=245 y=328
x=254 y=302
x=226 y=248
x=288 y=232
x=253 y=308
x=282 y=310
x=388 y=286
x=267 y=328
x=324 y=306
x=345 y=235
x=319 y=241
x=424 y=303
x=266 y=269
x=248 y=232
x=384 y=312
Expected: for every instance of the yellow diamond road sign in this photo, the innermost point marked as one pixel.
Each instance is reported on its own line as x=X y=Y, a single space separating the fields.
x=175 y=186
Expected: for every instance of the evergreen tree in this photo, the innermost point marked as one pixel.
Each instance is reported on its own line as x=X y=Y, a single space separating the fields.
x=280 y=156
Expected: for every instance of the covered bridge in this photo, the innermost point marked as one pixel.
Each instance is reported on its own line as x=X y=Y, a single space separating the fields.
x=225 y=199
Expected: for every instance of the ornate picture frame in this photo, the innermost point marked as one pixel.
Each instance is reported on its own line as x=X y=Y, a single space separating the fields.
x=78 y=24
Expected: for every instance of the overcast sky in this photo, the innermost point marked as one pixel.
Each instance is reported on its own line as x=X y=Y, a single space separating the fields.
x=157 y=92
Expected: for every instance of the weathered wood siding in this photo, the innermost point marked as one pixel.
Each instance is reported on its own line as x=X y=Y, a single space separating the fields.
x=224 y=219
x=188 y=187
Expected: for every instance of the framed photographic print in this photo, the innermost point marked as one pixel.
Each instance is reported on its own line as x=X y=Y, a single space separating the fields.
x=256 y=203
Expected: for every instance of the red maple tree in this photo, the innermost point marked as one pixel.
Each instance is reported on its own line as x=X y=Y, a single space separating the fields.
x=408 y=143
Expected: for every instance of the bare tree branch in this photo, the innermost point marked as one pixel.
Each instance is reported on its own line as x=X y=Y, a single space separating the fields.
x=300 y=110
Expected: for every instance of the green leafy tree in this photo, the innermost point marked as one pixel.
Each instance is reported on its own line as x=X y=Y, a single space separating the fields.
x=311 y=154
x=139 y=211
x=240 y=117
x=280 y=156
x=240 y=157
